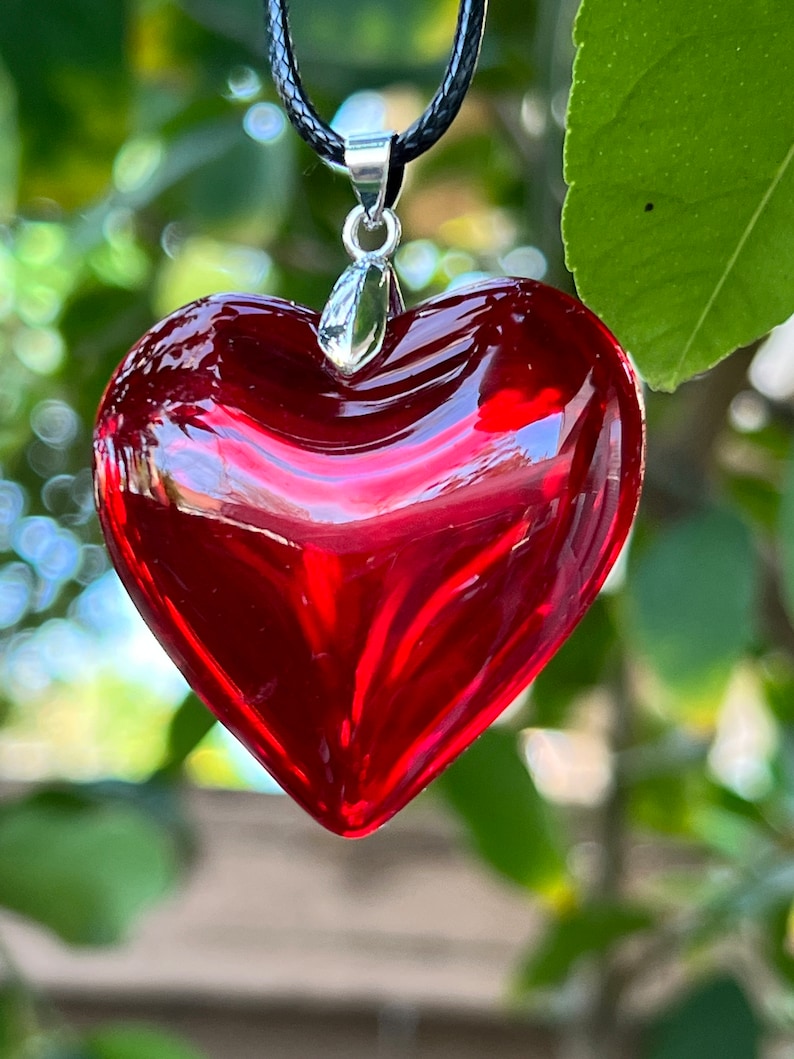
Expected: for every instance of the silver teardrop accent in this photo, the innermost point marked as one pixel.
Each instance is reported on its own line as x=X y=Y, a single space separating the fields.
x=354 y=319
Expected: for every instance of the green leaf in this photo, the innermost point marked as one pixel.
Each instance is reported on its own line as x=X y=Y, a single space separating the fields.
x=732 y=835
x=9 y=147
x=508 y=822
x=690 y=600
x=17 y=1019
x=578 y=666
x=68 y=63
x=714 y=1021
x=138 y=1042
x=781 y=797
x=786 y=536
x=755 y=497
x=219 y=181
x=679 y=222
x=776 y=939
x=363 y=33
x=510 y=46
x=190 y=723
x=99 y=325
x=84 y=868
x=159 y=802
x=778 y=685
x=595 y=928
x=667 y=782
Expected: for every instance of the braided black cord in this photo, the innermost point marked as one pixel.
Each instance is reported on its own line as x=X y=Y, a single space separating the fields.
x=424 y=132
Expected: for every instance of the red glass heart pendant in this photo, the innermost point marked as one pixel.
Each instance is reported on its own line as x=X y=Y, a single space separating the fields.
x=358 y=575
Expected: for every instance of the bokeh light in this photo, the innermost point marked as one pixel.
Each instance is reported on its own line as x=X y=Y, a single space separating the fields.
x=243 y=83
x=264 y=122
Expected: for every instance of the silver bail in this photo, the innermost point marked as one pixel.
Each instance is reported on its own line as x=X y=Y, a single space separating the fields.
x=353 y=323
x=368 y=161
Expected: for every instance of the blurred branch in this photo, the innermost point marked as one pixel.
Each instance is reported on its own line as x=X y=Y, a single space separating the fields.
x=506 y=112
x=554 y=54
x=682 y=460
x=774 y=615
x=604 y=1031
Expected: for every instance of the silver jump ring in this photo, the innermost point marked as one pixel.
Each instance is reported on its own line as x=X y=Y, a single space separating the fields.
x=353 y=222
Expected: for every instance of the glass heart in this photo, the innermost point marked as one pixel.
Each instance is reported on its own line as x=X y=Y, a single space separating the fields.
x=358 y=575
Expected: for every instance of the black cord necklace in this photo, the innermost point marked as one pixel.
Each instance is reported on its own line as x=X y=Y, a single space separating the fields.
x=353 y=323
x=415 y=140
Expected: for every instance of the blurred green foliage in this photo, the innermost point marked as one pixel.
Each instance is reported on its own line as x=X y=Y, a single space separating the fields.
x=680 y=220
x=135 y=1042
x=505 y=815
x=144 y=161
x=715 y=1020
x=105 y=860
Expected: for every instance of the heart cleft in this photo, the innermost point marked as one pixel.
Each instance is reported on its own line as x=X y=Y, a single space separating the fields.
x=358 y=574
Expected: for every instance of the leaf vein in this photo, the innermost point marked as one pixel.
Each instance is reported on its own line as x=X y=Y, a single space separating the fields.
x=731 y=263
